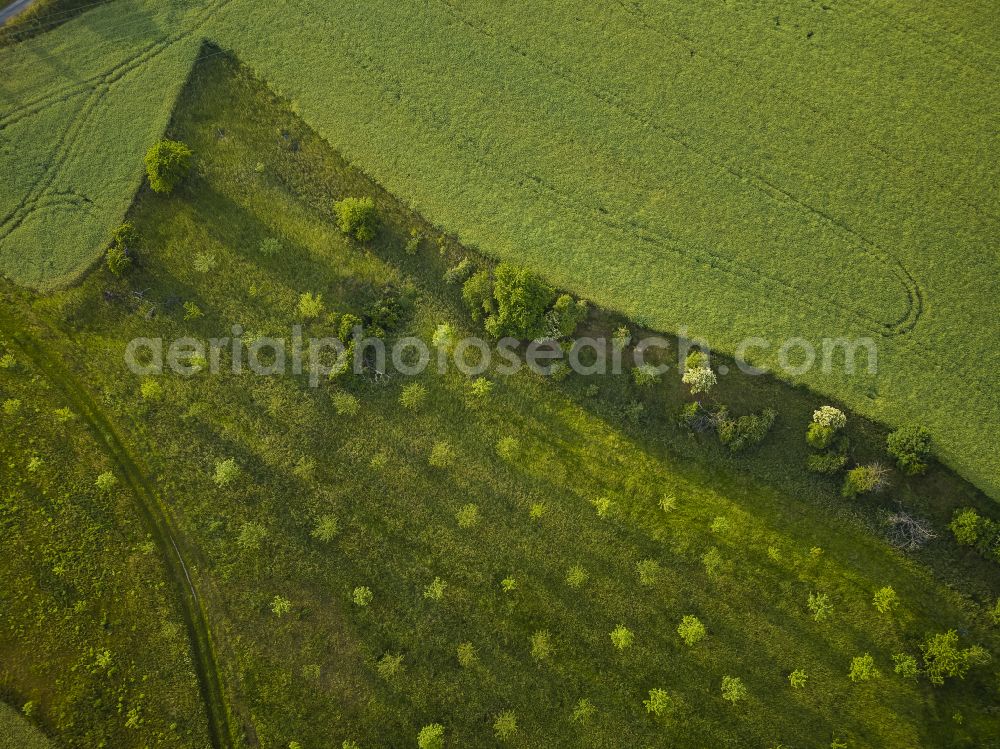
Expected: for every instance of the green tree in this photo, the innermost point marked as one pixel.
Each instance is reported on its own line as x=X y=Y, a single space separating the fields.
x=280 y=606
x=885 y=600
x=310 y=305
x=389 y=666
x=733 y=689
x=691 y=630
x=965 y=526
x=357 y=217
x=863 y=668
x=326 y=528
x=226 y=472
x=865 y=479
x=649 y=571
x=905 y=665
x=566 y=314
x=431 y=737
x=541 y=645
x=435 y=589
x=118 y=259
x=622 y=637
x=167 y=163
x=943 y=659
x=362 y=596
x=505 y=725
x=477 y=293
x=911 y=447
x=106 y=482
x=521 y=301
x=820 y=606
x=442 y=454
x=658 y=702
x=797 y=678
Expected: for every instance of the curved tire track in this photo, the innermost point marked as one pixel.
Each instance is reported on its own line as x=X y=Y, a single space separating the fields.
x=154 y=516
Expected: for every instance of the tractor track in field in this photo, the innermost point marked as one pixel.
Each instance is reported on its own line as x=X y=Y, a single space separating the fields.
x=154 y=515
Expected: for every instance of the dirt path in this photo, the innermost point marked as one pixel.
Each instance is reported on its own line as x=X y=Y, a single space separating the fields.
x=154 y=515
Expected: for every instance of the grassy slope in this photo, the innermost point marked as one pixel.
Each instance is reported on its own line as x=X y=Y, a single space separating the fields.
x=396 y=514
x=80 y=577
x=812 y=180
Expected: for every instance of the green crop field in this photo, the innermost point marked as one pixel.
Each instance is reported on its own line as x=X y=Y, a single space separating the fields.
x=814 y=170
x=235 y=560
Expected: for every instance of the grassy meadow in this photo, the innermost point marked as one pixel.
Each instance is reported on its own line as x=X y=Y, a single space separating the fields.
x=501 y=538
x=819 y=170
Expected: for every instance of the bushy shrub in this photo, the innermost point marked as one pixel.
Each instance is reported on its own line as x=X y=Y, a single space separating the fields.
x=345 y=404
x=746 y=431
x=468 y=516
x=965 y=526
x=645 y=374
x=885 y=600
x=357 y=217
x=477 y=293
x=541 y=645
x=362 y=596
x=435 y=589
x=388 y=311
x=505 y=725
x=151 y=390
x=911 y=447
x=226 y=472
x=192 y=311
x=820 y=606
x=797 y=678
x=106 y=482
x=480 y=387
x=459 y=272
x=310 y=305
x=649 y=571
x=658 y=702
x=819 y=436
x=943 y=659
x=583 y=711
x=521 y=301
x=712 y=561
x=622 y=637
x=827 y=463
x=167 y=163
x=733 y=689
x=507 y=447
x=863 y=668
x=691 y=630
x=905 y=665
x=442 y=455
x=537 y=510
x=280 y=606
x=865 y=479
x=326 y=528
x=467 y=656
x=576 y=576
x=118 y=259
x=564 y=317
x=390 y=666
x=431 y=737
x=413 y=396
x=831 y=417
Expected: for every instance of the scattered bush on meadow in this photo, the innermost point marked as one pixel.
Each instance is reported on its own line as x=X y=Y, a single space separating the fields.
x=467 y=656
x=362 y=596
x=106 y=482
x=622 y=637
x=468 y=516
x=167 y=163
x=509 y=302
x=576 y=576
x=192 y=311
x=885 y=600
x=583 y=711
x=712 y=561
x=280 y=606
x=124 y=247
x=863 y=668
x=251 y=537
x=413 y=396
x=905 y=665
x=390 y=666
x=460 y=272
x=691 y=630
x=820 y=606
x=270 y=247
x=345 y=404
x=541 y=645
x=698 y=375
x=505 y=725
x=442 y=455
x=649 y=571
x=972 y=529
x=645 y=374
x=508 y=584
x=431 y=737
x=357 y=217
x=226 y=472
x=565 y=316
x=480 y=388
x=435 y=589
x=151 y=390
x=310 y=305
x=797 y=678
x=507 y=447
x=389 y=310
x=911 y=447
x=733 y=689
x=537 y=510
x=746 y=431
x=943 y=659
x=326 y=528
x=658 y=702
x=868 y=479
